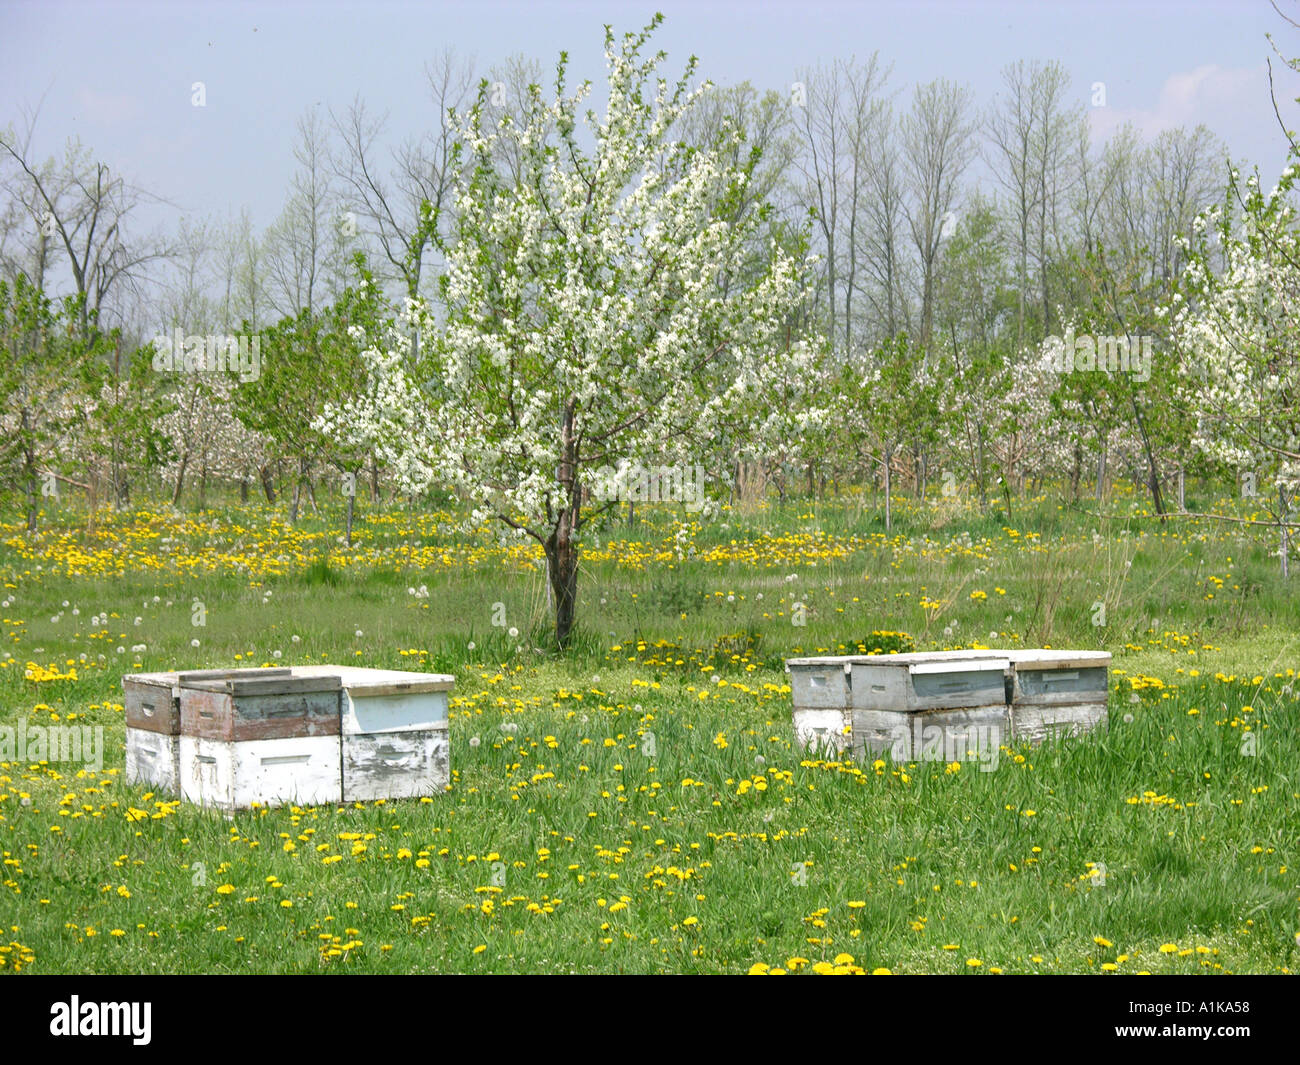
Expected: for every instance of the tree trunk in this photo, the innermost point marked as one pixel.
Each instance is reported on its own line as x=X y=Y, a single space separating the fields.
x=297 y=490
x=180 y=478
x=1153 y=473
x=1101 y=470
x=243 y=489
x=268 y=484
x=374 y=479
x=562 y=545
x=29 y=462
x=1283 y=510
x=888 y=486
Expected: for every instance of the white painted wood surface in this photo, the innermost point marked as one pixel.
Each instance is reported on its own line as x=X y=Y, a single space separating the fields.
x=396 y=765
x=822 y=731
x=233 y=775
x=153 y=759
x=882 y=733
x=1033 y=723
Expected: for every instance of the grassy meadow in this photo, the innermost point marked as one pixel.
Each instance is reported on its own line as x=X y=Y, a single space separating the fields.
x=637 y=804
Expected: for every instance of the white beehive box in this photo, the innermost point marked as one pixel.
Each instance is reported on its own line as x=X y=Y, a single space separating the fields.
x=153 y=724
x=235 y=774
x=940 y=705
x=387 y=700
x=396 y=741
x=1058 y=693
x=957 y=734
x=819 y=689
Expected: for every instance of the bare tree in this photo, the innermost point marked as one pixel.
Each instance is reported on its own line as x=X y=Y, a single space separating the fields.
x=402 y=210
x=78 y=212
x=880 y=233
x=837 y=122
x=305 y=248
x=937 y=139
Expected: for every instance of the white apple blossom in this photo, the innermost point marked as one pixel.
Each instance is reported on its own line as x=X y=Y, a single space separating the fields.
x=585 y=320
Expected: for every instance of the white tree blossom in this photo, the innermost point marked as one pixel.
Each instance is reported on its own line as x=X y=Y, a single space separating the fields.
x=584 y=316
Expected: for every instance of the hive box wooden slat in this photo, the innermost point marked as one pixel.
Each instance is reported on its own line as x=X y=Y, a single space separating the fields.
x=259 y=708
x=819 y=689
x=235 y=774
x=1058 y=693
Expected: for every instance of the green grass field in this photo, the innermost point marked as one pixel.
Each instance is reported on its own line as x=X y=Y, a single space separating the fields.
x=638 y=804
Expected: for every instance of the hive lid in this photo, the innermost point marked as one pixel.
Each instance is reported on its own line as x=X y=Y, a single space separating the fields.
x=233 y=674
x=160 y=679
x=276 y=685
x=1030 y=658
x=362 y=681
x=961 y=665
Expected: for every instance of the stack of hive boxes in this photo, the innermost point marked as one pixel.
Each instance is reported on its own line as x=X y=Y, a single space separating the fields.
x=1058 y=692
x=823 y=714
x=309 y=735
x=394 y=739
x=945 y=704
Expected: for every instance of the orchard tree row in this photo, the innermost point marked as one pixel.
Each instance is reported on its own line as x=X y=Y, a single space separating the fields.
x=826 y=284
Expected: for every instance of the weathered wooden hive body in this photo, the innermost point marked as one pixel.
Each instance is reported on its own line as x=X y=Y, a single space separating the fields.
x=1058 y=692
x=395 y=742
x=308 y=735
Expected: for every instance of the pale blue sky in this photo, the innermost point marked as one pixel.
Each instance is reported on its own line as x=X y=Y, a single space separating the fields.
x=119 y=74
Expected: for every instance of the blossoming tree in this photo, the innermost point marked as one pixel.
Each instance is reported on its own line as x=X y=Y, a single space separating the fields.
x=1234 y=322
x=599 y=307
